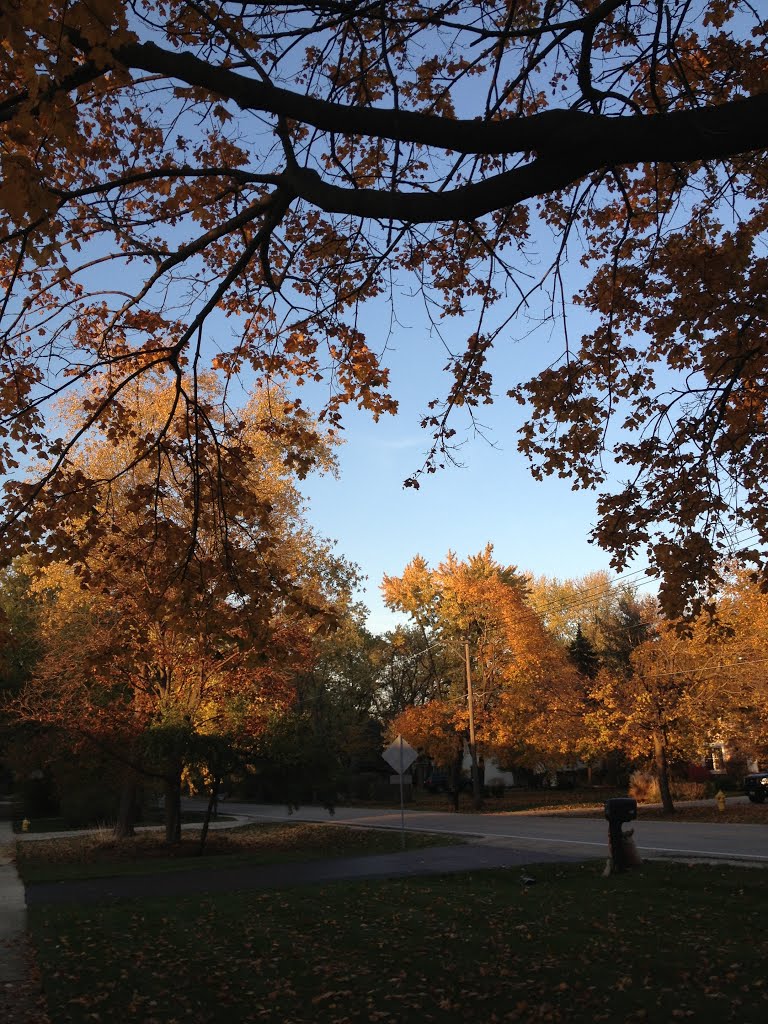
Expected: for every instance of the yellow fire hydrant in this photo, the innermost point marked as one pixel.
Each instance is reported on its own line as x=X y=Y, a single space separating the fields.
x=720 y=797
x=25 y=825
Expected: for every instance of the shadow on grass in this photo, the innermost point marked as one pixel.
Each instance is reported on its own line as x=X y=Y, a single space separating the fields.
x=663 y=943
x=103 y=856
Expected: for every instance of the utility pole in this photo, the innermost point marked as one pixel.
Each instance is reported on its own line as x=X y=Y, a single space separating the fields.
x=477 y=797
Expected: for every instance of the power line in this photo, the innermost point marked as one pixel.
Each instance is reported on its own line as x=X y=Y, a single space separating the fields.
x=585 y=598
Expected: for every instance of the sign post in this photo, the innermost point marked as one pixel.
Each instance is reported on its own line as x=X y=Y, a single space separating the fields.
x=400 y=755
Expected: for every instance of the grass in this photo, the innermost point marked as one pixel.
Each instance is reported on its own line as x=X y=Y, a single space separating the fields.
x=101 y=856
x=588 y=801
x=666 y=942
x=510 y=800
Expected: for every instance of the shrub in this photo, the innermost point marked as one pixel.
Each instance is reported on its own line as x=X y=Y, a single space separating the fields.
x=691 y=790
x=644 y=787
x=38 y=796
x=89 y=803
x=89 y=790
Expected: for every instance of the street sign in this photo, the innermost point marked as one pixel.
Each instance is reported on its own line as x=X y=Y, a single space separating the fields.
x=400 y=755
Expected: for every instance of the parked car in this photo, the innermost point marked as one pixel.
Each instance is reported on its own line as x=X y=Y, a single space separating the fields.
x=756 y=787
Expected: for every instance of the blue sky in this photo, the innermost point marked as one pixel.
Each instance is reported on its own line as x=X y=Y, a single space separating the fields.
x=380 y=525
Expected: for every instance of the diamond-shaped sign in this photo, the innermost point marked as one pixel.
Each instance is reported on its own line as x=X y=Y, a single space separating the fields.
x=400 y=755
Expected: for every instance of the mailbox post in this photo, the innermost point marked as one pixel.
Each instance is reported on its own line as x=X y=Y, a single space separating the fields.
x=618 y=811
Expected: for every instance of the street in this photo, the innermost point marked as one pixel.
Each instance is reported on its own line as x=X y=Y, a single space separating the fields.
x=551 y=834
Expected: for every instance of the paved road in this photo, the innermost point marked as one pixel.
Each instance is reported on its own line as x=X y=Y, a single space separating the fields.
x=583 y=836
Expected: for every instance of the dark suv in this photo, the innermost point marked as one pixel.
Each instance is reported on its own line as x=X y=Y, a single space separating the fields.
x=756 y=787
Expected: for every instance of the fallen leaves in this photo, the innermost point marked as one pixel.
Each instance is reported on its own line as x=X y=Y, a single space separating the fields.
x=577 y=948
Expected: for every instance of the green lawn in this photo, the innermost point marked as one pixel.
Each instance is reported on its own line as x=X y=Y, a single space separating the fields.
x=101 y=856
x=663 y=943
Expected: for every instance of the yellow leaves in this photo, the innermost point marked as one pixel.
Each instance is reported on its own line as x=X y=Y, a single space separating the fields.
x=434 y=728
x=526 y=688
x=672 y=289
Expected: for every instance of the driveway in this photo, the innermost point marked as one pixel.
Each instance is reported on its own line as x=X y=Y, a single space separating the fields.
x=552 y=834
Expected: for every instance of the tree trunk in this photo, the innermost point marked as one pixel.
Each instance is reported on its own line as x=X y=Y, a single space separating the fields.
x=454 y=778
x=211 y=812
x=477 y=789
x=126 y=815
x=173 y=808
x=662 y=772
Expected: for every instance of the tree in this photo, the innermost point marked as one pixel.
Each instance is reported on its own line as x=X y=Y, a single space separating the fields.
x=525 y=697
x=437 y=729
x=582 y=653
x=336 y=699
x=284 y=164
x=152 y=643
x=19 y=639
x=739 y=682
x=19 y=647
x=588 y=603
x=665 y=705
x=411 y=671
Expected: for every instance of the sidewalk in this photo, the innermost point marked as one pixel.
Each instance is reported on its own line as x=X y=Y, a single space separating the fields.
x=13 y=912
x=434 y=860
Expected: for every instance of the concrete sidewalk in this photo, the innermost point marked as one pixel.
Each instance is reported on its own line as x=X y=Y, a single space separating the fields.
x=433 y=860
x=13 y=912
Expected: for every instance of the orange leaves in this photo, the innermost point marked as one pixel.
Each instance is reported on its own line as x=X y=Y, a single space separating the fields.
x=526 y=691
x=159 y=608
x=206 y=162
x=436 y=728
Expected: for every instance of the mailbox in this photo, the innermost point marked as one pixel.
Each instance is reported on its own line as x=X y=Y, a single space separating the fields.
x=620 y=809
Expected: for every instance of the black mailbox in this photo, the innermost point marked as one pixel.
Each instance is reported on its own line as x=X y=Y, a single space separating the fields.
x=620 y=809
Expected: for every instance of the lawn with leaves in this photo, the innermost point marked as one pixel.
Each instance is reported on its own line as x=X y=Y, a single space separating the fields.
x=734 y=814
x=663 y=943
x=590 y=802
x=509 y=800
x=101 y=855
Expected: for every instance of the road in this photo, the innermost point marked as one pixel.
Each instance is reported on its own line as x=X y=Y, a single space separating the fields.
x=551 y=834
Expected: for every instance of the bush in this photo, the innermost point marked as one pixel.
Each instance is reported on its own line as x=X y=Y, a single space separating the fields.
x=362 y=785
x=89 y=790
x=38 y=796
x=691 y=790
x=89 y=804
x=644 y=787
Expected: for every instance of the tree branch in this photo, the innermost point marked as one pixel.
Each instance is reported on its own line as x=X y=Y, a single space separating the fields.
x=704 y=133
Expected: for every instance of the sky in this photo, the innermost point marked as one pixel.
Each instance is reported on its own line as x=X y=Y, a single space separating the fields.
x=541 y=527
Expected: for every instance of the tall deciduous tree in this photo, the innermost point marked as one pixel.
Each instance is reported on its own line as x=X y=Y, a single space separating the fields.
x=167 y=163
x=162 y=627
x=665 y=703
x=589 y=603
x=525 y=690
x=740 y=676
x=411 y=670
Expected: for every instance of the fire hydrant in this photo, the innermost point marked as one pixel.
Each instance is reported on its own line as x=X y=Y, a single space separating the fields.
x=720 y=797
x=25 y=825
